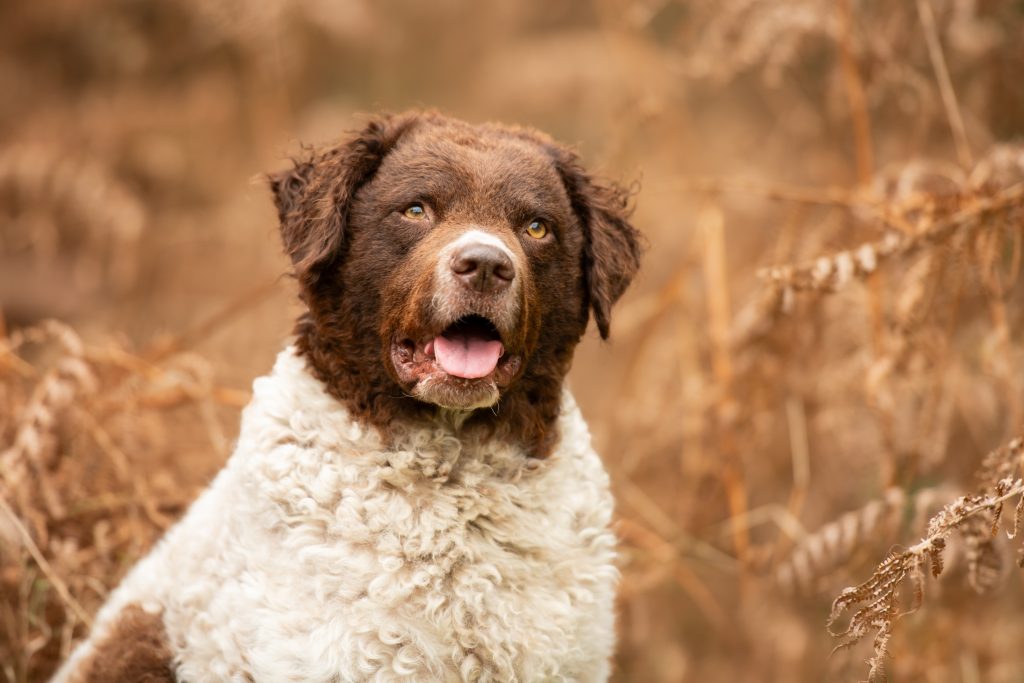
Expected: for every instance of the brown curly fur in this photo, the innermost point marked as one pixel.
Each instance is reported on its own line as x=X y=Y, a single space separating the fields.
x=357 y=269
x=134 y=651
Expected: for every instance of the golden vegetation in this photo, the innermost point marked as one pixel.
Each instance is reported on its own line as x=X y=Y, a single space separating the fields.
x=823 y=344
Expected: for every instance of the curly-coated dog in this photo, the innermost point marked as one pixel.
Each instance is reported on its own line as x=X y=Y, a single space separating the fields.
x=413 y=495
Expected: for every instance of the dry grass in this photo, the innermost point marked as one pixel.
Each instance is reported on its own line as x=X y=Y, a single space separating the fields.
x=824 y=343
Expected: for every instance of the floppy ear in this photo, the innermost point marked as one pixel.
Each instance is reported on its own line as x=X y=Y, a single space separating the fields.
x=313 y=197
x=612 y=248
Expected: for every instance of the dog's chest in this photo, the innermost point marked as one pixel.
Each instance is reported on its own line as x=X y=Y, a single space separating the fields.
x=432 y=565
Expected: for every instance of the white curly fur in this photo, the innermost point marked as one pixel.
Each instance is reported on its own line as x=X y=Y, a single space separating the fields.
x=317 y=554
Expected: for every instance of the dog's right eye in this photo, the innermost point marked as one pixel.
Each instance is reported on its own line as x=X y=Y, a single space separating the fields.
x=415 y=211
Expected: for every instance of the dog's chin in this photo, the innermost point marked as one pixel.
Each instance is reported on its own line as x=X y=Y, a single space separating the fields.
x=456 y=393
x=423 y=378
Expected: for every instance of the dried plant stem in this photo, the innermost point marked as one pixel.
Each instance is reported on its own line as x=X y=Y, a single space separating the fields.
x=207 y=326
x=863 y=148
x=666 y=554
x=53 y=577
x=949 y=101
x=662 y=524
x=988 y=504
x=645 y=313
x=875 y=285
x=864 y=155
x=800 y=454
x=874 y=281
x=652 y=513
x=123 y=469
x=693 y=380
x=711 y=226
x=9 y=360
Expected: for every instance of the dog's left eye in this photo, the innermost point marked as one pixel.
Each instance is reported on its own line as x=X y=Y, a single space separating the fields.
x=415 y=212
x=537 y=229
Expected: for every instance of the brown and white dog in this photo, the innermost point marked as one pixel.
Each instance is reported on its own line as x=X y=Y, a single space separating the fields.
x=413 y=495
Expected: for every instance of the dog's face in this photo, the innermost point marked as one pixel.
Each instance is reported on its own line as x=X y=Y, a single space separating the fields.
x=472 y=243
x=450 y=263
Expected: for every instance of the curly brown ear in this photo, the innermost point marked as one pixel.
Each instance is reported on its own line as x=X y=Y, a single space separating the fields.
x=313 y=197
x=611 y=255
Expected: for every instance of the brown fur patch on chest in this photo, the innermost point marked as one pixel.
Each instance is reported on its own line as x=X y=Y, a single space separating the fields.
x=135 y=650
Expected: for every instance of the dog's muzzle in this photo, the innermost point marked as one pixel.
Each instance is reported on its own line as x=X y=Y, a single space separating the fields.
x=467 y=343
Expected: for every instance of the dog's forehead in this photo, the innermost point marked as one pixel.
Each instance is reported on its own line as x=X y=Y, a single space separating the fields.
x=485 y=158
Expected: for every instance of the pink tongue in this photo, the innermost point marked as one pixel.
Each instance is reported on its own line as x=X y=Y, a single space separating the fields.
x=467 y=356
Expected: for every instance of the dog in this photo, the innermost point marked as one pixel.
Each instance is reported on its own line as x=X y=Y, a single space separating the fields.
x=413 y=495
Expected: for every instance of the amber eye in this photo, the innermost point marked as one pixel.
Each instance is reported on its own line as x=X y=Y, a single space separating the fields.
x=537 y=229
x=415 y=212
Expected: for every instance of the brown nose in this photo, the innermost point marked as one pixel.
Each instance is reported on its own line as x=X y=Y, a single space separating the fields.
x=483 y=267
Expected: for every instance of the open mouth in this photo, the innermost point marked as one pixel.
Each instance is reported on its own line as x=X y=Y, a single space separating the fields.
x=469 y=348
x=462 y=366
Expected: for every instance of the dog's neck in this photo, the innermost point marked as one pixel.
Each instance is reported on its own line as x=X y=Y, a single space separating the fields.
x=525 y=415
x=453 y=418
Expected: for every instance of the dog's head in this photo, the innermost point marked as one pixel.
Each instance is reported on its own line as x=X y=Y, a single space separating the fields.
x=454 y=264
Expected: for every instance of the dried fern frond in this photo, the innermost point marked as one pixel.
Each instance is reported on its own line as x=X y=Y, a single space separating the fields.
x=87 y=472
x=836 y=543
x=34 y=442
x=975 y=516
x=833 y=272
x=833 y=544
x=927 y=209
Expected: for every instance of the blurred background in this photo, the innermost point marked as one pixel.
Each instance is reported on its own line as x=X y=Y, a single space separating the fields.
x=822 y=346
